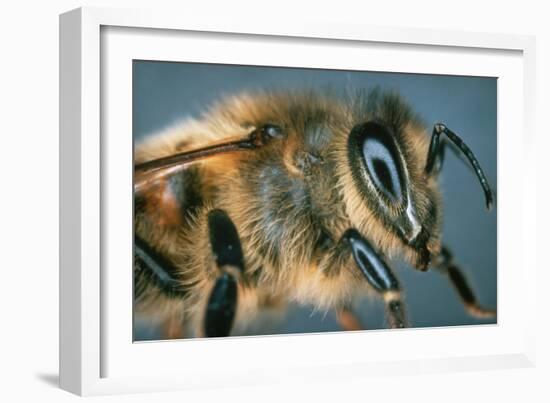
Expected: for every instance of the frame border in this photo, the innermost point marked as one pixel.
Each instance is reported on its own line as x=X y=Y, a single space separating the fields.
x=80 y=172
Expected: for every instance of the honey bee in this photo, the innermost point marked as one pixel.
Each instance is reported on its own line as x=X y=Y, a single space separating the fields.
x=299 y=196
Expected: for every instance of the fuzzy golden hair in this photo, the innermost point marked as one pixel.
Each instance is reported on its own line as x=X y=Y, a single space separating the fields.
x=291 y=201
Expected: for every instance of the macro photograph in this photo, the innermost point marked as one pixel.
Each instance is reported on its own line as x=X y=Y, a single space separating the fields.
x=278 y=200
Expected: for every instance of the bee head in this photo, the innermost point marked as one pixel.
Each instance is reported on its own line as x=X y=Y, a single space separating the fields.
x=390 y=199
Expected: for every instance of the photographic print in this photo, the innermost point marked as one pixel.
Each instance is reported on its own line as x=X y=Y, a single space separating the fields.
x=275 y=200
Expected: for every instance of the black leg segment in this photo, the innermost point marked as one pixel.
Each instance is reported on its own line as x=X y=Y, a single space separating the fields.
x=221 y=307
x=379 y=276
x=436 y=153
x=373 y=268
x=228 y=256
x=224 y=240
x=150 y=266
x=447 y=266
x=395 y=312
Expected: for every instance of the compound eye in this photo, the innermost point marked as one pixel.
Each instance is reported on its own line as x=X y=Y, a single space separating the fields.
x=381 y=159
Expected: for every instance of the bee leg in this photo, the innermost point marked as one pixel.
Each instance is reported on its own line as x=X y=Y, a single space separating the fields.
x=436 y=153
x=379 y=276
x=228 y=255
x=447 y=266
x=152 y=267
x=154 y=275
x=347 y=319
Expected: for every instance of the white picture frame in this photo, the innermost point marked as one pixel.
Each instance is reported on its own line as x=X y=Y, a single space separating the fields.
x=97 y=357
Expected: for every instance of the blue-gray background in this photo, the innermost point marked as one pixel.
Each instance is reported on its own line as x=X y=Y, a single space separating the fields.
x=165 y=92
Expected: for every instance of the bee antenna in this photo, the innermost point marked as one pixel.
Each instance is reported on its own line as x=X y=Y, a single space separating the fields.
x=436 y=150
